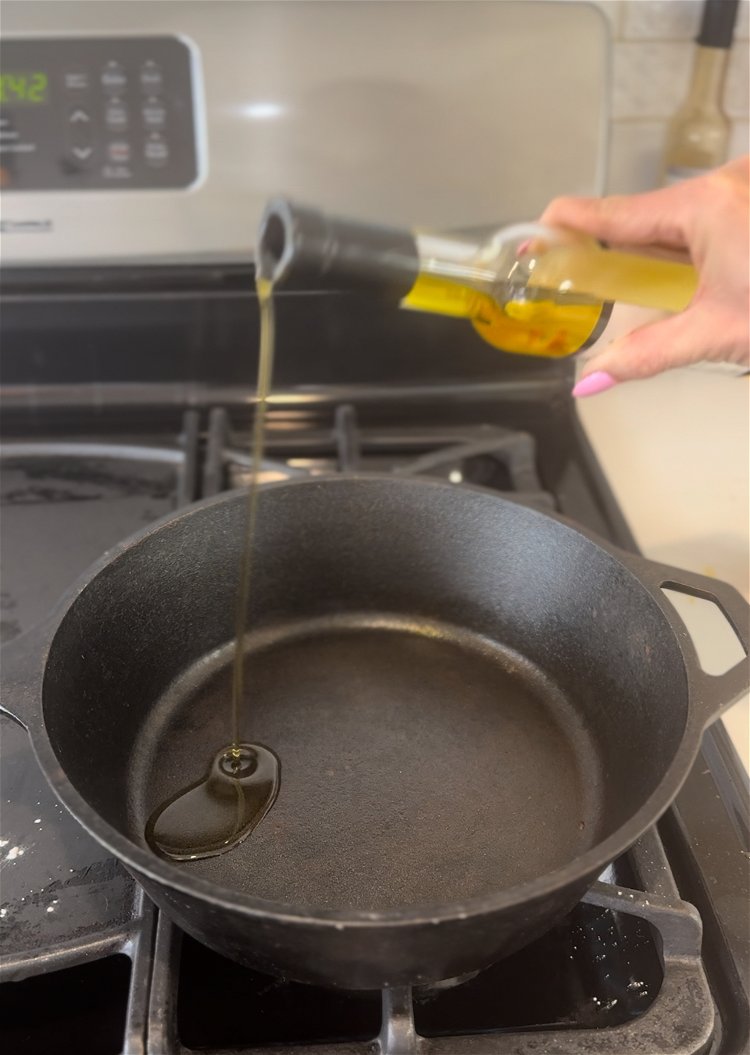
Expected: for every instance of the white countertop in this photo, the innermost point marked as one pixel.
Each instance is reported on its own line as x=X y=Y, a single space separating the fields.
x=676 y=452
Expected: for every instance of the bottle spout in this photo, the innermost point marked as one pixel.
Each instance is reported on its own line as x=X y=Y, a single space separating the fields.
x=275 y=247
x=303 y=248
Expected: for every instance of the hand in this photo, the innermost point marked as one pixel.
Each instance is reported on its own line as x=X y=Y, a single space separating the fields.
x=708 y=218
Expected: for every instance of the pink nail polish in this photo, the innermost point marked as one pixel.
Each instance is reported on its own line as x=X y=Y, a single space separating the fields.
x=594 y=383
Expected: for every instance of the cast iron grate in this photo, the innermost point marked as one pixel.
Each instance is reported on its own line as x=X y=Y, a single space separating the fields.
x=656 y=998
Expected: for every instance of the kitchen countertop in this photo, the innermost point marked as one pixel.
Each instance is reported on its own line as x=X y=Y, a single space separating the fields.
x=676 y=453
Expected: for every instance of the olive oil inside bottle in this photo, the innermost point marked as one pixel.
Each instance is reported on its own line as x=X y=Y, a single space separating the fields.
x=533 y=322
x=215 y=814
x=558 y=310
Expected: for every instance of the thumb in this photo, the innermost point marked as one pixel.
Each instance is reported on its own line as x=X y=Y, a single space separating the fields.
x=677 y=341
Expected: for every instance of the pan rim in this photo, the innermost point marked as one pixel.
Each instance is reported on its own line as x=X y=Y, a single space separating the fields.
x=171 y=876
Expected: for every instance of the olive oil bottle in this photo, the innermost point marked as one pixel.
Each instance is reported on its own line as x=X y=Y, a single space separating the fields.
x=526 y=289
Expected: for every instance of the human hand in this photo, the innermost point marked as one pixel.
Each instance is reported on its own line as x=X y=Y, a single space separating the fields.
x=708 y=218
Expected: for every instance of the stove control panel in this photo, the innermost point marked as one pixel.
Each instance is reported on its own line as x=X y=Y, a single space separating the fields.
x=94 y=113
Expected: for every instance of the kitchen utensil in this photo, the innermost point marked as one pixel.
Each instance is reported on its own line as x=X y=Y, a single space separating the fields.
x=476 y=706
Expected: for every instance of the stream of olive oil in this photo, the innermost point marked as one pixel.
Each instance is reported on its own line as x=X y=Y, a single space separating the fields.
x=265 y=375
x=216 y=813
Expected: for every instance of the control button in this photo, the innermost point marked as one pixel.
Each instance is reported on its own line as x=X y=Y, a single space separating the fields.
x=80 y=147
x=154 y=112
x=114 y=78
x=119 y=152
x=8 y=133
x=76 y=80
x=116 y=172
x=116 y=113
x=151 y=77
x=155 y=150
x=79 y=157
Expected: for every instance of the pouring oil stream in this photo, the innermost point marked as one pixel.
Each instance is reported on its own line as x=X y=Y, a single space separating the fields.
x=217 y=813
x=265 y=374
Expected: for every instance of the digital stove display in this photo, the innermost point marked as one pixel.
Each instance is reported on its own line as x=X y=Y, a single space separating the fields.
x=96 y=113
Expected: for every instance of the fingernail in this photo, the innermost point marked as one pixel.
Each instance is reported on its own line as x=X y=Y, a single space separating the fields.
x=594 y=383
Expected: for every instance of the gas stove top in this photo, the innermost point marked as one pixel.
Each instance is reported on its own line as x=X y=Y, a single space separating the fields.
x=654 y=959
x=125 y=395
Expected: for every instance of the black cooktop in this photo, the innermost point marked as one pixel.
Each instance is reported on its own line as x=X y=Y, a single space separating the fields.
x=654 y=959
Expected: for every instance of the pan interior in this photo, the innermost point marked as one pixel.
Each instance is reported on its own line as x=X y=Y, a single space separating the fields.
x=420 y=764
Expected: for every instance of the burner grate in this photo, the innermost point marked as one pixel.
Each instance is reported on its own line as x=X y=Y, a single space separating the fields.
x=662 y=997
x=677 y=1016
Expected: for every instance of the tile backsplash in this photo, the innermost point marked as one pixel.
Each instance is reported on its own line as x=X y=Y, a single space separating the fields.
x=653 y=55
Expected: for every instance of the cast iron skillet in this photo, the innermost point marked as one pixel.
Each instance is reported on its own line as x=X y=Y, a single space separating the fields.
x=476 y=707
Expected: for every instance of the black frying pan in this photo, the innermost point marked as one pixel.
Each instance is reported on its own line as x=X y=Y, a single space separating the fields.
x=476 y=707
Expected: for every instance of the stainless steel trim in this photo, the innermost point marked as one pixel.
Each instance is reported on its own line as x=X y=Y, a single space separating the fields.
x=166 y=394
x=92 y=450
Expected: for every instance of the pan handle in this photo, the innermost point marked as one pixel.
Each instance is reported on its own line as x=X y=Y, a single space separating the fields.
x=21 y=669
x=711 y=694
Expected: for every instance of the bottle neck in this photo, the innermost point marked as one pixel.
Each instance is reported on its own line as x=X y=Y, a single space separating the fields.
x=303 y=248
x=709 y=75
x=453 y=259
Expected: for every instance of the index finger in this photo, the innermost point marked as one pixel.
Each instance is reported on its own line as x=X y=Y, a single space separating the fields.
x=660 y=217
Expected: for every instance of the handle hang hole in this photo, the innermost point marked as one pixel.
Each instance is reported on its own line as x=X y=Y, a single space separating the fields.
x=715 y=640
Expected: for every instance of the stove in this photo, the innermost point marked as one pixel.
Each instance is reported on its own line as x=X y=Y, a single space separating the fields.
x=654 y=959
x=137 y=155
